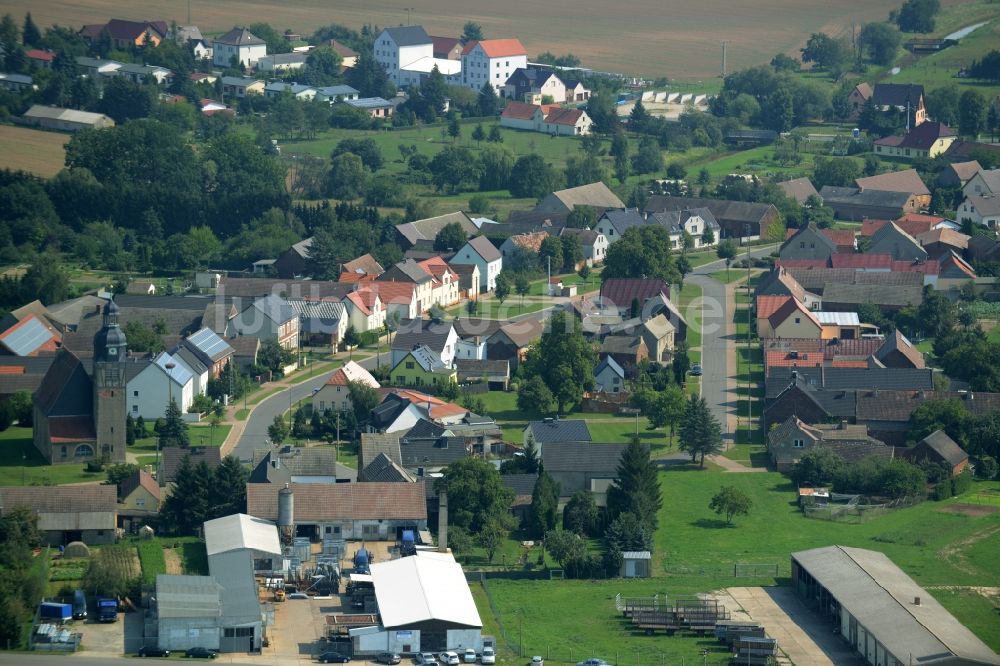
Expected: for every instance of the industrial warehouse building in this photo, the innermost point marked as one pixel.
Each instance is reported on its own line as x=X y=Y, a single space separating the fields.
x=221 y=611
x=343 y=511
x=425 y=605
x=882 y=612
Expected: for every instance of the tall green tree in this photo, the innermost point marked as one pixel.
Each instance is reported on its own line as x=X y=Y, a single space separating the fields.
x=972 y=113
x=564 y=360
x=880 y=42
x=489 y=103
x=476 y=494
x=451 y=237
x=188 y=506
x=581 y=514
x=641 y=252
x=534 y=396
x=544 y=510
x=533 y=177
x=228 y=492
x=174 y=430
x=278 y=431
x=636 y=489
x=471 y=32
x=917 y=15
x=30 y=35
x=731 y=501
x=701 y=433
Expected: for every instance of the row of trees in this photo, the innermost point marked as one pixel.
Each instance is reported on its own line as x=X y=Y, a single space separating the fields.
x=202 y=493
x=21 y=583
x=821 y=467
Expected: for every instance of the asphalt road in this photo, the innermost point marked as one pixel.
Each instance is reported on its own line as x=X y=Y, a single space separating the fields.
x=714 y=342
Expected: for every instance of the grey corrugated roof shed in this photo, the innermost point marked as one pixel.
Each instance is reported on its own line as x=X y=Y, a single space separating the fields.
x=881 y=597
x=945 y=447
x=560 y=430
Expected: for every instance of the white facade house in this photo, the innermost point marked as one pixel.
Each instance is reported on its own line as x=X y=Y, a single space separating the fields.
x=365 y=310
x=297 y=90
x=982 y=183
x=149 y=391
x=334 y=94
x=980 y=209
x=493 y=61
x=240 y=43
x=335 y=394
x=398 y=48
x=482 y=253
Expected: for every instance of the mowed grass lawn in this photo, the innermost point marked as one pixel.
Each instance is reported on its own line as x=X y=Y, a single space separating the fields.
x=21 y=464
x=567 y=621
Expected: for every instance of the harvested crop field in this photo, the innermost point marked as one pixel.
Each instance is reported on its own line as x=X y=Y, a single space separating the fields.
x=674 y=38
x=41 y=153
x=974 y=510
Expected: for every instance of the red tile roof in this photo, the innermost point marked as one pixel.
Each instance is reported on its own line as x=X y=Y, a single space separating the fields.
x=439 y=408
x=498 y=48
x=907 y=181
x=519 y=111
x=790 y=307
x=929 y=267
x=437 y=267
x=622 y=291
x=342 y=501
x=801 y=263
x=39 y=54
x=768 y=305
x=912 y=224
x=861 y=261
x=559 y=116
x=399 y=293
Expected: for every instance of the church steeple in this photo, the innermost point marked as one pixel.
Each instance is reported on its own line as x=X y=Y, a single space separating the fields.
x=109 y=343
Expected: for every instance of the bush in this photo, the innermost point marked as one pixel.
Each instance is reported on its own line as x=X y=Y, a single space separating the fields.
x=961 y=483
x=369 y=338
x=942 y=490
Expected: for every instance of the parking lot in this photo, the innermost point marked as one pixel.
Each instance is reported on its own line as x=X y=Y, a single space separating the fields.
x=298 y=624
x=801 y=634
x=107 y=639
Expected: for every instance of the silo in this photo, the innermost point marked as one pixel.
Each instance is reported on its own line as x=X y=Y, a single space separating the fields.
x=286 y=513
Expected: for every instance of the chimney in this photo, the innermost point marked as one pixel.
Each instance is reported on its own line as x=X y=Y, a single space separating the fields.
x=916 y=601
x=443 y=521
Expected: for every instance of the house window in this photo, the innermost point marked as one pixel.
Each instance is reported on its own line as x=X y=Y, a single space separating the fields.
x=802 y=244
x=141 y=503
x=400 y=379
x=409 y=365
x=798 y=443
x=135 y=409
x=135 y=394
x=798 y=320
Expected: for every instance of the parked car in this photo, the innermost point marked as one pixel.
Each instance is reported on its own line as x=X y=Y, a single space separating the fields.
x=201 y=653
x=332 y=658
x=469 y=656
x=536 y=661
x=593 y=662
x=147 y=651
x=387 y=658
x=449 y=658
x=426 y=659
x=489 y=656
x=696 y=369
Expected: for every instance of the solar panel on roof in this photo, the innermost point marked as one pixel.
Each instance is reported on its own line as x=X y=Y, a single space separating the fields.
x=209 y=343
x=28 y=337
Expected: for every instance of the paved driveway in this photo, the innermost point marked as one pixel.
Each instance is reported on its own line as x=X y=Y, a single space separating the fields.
x=801 y=634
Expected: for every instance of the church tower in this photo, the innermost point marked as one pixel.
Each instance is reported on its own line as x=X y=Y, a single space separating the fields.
x=109 y=387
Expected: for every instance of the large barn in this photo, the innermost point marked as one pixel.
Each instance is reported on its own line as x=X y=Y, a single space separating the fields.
x=882 y=612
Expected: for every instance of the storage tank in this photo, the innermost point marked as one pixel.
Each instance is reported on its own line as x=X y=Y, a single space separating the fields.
x=286 y=513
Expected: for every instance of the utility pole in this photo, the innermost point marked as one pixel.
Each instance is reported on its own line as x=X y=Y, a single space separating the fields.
x=408 y=10
x=725 y=45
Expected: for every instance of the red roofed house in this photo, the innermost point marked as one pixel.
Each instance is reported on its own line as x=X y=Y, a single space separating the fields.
x=791 y=320
x=493 y=61
x=447 y=48
x=445 y=287
x=40 y=57
x=28 y=335
x=877 y=263
x=126 y=35
x=365 y=310
x=336 y=394
x=398 y=298
x=546 y=118
x=940 y=242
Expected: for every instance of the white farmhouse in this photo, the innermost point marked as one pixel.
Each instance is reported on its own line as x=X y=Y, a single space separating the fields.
x=241 y=43
x=493 y=60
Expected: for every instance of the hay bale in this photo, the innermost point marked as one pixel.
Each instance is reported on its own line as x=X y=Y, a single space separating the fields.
x=76 y=549
x=145 y=532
